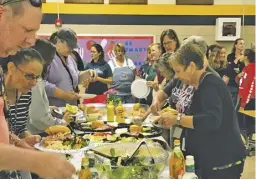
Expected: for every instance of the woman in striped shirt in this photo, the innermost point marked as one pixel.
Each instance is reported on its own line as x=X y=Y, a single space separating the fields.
x=21 y=73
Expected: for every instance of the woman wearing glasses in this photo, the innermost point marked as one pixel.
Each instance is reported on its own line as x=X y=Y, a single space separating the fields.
x=21 y=73
x=169 y=42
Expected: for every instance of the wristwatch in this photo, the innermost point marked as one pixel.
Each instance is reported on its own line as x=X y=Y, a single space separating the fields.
x=178 y=118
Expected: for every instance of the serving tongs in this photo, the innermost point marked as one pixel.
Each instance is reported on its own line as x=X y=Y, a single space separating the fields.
x=112 y=159
x=129 y=160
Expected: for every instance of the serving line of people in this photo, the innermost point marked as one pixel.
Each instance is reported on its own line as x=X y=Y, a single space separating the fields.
x=22 y=72
x=203 y=122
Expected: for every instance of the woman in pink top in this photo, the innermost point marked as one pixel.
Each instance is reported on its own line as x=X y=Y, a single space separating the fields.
x=4 y=137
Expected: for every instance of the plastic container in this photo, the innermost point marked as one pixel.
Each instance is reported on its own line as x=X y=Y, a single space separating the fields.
x=110 y=112
x=177 y=162
x=190 y=168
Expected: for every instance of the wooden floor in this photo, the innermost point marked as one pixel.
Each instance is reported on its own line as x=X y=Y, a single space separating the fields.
x=249 y=168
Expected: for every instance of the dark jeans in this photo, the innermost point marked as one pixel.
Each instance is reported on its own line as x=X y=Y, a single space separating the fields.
x=247 y=123
x=233 y=172
x=234 y=93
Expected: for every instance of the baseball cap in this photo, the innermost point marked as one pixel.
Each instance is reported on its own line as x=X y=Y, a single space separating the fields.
x=69 y=36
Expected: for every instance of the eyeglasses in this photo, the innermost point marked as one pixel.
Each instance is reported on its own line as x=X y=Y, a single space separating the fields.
x=169 y=42
x=30 y=77
x=35 y=3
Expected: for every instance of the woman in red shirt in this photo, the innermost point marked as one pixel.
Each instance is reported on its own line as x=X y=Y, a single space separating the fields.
x=246 y=81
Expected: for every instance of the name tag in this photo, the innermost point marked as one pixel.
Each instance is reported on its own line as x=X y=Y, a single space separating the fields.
x=236 y=70
x=183 y=144
x=177 y=132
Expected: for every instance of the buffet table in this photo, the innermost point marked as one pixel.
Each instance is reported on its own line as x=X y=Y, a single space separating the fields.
x=251 y=113
x=82 y=128
x=76 y=160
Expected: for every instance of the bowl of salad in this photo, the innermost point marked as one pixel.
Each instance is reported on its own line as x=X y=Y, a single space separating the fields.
x=139 y=167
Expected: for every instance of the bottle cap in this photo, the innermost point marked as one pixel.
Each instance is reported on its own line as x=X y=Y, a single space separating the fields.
x=90 y=154
x=85 y=161
x=176 y=142
x=107 y=161
x=189 y=157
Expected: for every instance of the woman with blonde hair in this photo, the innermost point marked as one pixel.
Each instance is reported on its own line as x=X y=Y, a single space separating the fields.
x=155 y=55
x=216 y=63
x=124 y=72
x=148 y=73
x=141 y=72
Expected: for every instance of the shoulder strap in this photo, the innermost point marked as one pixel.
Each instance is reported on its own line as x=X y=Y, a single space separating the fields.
x=65 y=66
x=203 y=76
x=126 y=62
x=114 y=63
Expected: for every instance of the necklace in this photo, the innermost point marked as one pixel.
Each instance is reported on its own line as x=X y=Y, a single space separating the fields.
x=11 y=119
x=3 y=94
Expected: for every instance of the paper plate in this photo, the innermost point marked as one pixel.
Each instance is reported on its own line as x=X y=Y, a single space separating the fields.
x=60 y=111
x=87 y=96
x=140 y=89
x=72 y=151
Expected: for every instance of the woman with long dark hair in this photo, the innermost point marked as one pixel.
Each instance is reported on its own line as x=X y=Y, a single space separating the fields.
x=98 y=63
x=235 y=67
x=169 y=42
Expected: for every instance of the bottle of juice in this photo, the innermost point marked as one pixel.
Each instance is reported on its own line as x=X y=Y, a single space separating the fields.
x=111 y=111
x=190 y=168
x=93 y=170
x=85 y=172
x=177 y=162
x=120 y=113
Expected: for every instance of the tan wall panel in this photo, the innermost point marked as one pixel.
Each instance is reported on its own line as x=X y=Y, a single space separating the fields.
x=208 y=32
x=238 y=2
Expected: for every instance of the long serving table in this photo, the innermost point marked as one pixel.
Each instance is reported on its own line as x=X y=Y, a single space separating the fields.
x=77 y=158
x=251 y=113
x=250 y=144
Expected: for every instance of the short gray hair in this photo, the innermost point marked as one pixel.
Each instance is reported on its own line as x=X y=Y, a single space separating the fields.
x=187 y=53
x=198 y=40
x=15 y=9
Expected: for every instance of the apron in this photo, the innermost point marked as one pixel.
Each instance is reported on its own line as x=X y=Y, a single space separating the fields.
x=122 y=81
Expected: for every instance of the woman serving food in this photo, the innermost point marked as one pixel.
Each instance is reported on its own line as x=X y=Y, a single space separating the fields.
x=212 y=122
x=62 y=73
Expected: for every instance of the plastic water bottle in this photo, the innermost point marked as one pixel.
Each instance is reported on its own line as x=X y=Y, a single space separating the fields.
x=190 y=168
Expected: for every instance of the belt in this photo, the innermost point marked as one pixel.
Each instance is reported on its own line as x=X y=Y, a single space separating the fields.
x=228 y=165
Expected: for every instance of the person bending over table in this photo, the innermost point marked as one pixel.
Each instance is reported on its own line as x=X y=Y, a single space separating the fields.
x=40 y=113
x=62 y=73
